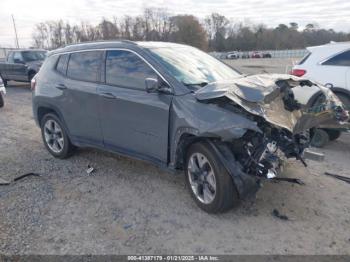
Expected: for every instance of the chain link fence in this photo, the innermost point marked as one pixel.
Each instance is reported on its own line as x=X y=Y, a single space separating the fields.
x=294 y=53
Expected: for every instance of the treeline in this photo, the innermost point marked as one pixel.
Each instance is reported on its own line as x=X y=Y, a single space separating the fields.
x=213 y=33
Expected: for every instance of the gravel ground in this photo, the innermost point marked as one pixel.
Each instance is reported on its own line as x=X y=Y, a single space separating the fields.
x=128 y=206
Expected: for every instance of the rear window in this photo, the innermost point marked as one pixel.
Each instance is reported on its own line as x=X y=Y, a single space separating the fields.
x=302 y=61
x=342 y=59
x=84 y=66
x=62 y=64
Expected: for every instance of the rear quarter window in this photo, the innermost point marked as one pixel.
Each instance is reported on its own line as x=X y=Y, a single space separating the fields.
x=85 y=66
x=342 y=59
x=62 y=63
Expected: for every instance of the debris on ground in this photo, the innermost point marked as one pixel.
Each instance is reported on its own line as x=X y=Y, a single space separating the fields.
x=25 y=175
x=90 y=170
x=290 y=180
x=277 y=214
x=127 y=226
x=343 y=178
x=4 y=182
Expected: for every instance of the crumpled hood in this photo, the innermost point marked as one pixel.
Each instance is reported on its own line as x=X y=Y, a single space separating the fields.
x=264 y=95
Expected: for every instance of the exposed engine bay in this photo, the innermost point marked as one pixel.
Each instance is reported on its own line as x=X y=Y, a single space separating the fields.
x=283 y=124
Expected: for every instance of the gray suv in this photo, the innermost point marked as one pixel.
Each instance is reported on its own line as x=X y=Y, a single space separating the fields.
x=179 y=108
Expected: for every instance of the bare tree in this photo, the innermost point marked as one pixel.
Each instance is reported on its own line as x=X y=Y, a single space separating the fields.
x=215 y=31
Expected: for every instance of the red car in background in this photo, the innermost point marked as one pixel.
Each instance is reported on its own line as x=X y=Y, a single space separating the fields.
x=256 y=54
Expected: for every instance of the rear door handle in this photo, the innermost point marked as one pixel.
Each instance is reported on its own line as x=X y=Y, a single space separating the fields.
x=108 y=95
x=61 y=87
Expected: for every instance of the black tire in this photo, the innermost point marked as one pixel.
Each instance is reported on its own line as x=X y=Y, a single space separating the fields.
x=68 y=149
x=31 y=75
x=2 y=102
x=333 y=134
x=319 y=138
x=226 y=195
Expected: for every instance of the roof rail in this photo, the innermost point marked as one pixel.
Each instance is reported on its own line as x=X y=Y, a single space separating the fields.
x=103 y=41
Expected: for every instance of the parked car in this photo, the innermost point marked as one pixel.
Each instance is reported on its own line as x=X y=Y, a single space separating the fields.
x=329 y=65
x=232 y=55
x=21 y=65
x=2 y=93
x=266 y=55
x=179 y=108
x=256 y=54
x=245 y=55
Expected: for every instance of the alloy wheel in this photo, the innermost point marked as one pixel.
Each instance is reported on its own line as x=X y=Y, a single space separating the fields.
x=202 y=178
x=53 y=136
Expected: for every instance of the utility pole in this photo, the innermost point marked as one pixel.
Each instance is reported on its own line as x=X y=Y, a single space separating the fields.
x=14 y=26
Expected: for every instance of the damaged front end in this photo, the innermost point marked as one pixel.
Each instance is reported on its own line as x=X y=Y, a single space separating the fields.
x=283 y=124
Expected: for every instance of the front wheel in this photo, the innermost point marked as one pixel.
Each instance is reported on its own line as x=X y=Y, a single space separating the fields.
x=209 y=183
x=319 y=137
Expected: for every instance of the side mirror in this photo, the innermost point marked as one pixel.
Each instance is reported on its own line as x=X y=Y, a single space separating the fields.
x=152 y=85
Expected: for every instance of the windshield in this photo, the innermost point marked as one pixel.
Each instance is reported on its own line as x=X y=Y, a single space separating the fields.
x=192 y=66
x=30 y=56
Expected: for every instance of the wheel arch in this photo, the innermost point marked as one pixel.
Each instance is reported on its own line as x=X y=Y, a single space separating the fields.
x=184 y=140
x=244 y=183
x=43 y=109
x=335 y=90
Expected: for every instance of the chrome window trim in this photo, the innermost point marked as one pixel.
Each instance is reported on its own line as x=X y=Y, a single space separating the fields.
x=118 y=49
x=334 y=55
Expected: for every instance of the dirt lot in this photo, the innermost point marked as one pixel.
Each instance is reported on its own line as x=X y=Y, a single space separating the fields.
x=128 y=206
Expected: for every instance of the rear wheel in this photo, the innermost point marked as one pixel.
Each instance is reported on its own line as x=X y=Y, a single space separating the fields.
x=55 y=137
x=31 y=75
x=209 y=183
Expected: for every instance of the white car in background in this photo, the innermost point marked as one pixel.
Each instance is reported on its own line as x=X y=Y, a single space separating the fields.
x=232 y=55
x=328 y=65
x=2 y=93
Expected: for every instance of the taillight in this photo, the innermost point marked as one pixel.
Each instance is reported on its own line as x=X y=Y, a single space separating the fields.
x=298 y=72
x=33 y=84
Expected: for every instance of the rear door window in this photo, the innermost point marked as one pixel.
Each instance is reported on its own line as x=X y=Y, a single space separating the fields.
x=62 y=63
x=342 y=59
x=85 y=66
x=126 y=69
x=10 y=58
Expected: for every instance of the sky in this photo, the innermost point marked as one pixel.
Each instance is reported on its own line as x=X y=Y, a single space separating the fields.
x=326 y=13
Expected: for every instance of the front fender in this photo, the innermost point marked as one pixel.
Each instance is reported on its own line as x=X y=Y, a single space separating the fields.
x=245 y=184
